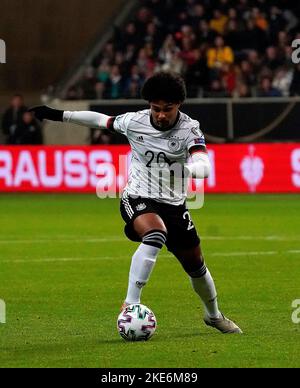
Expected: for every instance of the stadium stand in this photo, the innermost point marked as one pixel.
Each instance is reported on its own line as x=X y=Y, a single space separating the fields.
x=223 y=48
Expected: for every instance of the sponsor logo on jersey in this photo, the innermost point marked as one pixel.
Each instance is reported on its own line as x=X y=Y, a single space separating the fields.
x=174 y=145
x=141 y=207
x=140 y=139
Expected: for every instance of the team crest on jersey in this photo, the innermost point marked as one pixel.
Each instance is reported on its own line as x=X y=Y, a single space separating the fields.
x=141 y=207
x=174 y=144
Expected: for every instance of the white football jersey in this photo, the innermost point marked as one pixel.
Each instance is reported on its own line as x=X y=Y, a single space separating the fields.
x=156 y=153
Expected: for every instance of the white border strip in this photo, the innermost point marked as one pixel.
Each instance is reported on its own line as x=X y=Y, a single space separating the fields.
x=127 y=257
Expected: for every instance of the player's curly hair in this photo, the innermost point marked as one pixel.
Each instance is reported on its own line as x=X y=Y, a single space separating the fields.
x=165 y=86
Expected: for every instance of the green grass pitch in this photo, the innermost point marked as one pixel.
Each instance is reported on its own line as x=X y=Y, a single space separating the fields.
x=64 y=265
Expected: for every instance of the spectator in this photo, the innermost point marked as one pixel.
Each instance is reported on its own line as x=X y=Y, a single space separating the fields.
x=247 y=74
x=87 y=85
x=254 y=38
x=168 y=50
x=103 y=73
x=205 y=34
x=153 y=36
x=129 y=53
x=218 y=22
x=216 y=90
x=12 y=119
x=29 y=132
x=197 y=74
x=277 y=22
x=219 y=54
x=283 y=40
x=228 y=77
x=99 y=90
x=133 y=90
x=175 y=64
x=197 y=14
x=259 y=19
x=134 y=83
x=233 y=15
x=143 y=17
x=241 y=91
x=273 y=61
x=145 y=63
x=283 y=80
x=130 y=35
x=107 y=55
x=114 y=85
x=267 y=90
x=254 y=60
x=187 y=53
x=234 y=37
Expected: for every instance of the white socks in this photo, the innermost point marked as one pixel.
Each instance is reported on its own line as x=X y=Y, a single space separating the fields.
x=204 y=286
x=142 y=265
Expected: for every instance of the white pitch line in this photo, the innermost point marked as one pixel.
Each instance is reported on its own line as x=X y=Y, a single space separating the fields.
x=232 y=254
x=251 y=238
x=63 y=241
x=120 y=239
x=60 y=259
x=83 y=259
x=70 y=259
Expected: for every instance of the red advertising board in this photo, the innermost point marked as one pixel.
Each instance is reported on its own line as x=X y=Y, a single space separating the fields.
x=261 y=168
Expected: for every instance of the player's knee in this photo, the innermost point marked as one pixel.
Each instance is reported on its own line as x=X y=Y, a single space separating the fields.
x=195 y=268
x=192 y=261
x=156 y=238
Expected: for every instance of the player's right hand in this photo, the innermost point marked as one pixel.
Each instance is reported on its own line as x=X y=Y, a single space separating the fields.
x=43 y=112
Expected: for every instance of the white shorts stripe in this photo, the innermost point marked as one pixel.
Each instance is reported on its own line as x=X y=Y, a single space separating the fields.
x=127 y=206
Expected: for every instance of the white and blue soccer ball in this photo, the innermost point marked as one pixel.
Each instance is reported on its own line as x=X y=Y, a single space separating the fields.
x=136 y=323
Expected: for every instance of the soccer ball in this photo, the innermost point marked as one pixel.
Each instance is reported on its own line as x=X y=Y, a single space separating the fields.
x=136 y=323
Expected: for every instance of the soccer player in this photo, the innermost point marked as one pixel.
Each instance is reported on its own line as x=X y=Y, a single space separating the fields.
x=153 y=209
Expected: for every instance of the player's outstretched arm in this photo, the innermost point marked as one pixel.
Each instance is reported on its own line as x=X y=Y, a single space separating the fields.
x=87 y=119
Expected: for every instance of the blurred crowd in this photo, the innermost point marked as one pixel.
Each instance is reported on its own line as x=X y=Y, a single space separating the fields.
x=19 y=127
x=223 y=48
